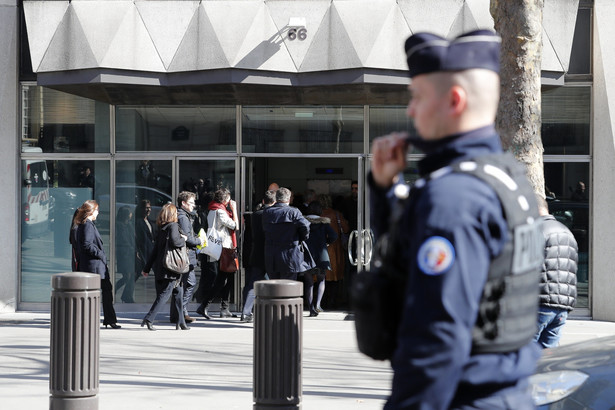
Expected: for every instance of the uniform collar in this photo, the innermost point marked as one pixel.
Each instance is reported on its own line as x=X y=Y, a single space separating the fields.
x=458 y=147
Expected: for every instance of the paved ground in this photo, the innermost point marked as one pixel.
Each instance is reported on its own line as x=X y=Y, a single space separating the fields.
x=207 y=367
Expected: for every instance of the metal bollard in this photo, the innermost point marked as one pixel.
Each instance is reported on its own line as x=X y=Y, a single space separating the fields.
x=74 y=350
x=278 y=327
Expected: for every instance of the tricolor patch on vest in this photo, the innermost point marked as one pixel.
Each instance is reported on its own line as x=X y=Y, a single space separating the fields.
x=436 y=255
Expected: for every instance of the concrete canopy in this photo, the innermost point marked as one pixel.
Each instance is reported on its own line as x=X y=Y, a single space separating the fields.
x=168 y=42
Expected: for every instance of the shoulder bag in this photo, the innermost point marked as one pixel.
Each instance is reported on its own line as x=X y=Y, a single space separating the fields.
x=214 y=240
x=229 y=261
x=175 y=259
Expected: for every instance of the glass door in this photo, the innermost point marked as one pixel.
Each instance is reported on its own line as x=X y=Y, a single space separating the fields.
x=336 y=182
x=204 y=176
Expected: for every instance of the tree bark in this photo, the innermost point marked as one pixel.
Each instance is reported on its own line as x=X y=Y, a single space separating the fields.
x=519 y=23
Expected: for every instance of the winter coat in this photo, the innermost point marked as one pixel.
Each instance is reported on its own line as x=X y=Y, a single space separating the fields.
x=185 y=220
x=285 y=228
x=321 y=235
x=257 y=251
x=222 y=222
x=155 y=260
x=91 y=255
x=558 y=279
x=337 y=254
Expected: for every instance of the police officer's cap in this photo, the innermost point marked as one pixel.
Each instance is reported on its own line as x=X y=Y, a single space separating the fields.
x=429 y=53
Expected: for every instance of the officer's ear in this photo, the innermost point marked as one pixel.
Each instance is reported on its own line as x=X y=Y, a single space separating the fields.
x=458 y=100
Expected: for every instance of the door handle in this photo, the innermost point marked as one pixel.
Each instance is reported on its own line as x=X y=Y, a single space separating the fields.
x=353 y=235
x=368 y=245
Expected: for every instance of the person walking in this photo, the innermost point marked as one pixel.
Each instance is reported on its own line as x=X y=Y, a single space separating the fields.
x=285 y=230
x=90 y=256
x=464 y=339
x=255 y=265
x=321 y=236
x=166 y=281
x=186 y=202
x=225 y=222
x=558 y=278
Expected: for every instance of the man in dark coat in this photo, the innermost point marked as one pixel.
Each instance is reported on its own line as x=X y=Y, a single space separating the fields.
x=285 y=230
x=254 y=248
x=558 y=279
x=185 y=219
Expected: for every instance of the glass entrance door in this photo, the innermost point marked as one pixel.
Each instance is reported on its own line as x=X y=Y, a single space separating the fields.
x=336 y=182
x=204 y=176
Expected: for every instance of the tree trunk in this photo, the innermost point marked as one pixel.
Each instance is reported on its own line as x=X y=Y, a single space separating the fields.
x=519 y=22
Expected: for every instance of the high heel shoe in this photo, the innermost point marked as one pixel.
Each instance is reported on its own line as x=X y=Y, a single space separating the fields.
x=113 y=325
x=148 y=324
x=182 y=326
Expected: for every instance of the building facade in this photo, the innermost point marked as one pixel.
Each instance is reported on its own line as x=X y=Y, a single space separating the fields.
x=143 y=99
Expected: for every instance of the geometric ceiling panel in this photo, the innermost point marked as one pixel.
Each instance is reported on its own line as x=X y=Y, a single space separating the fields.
x=363 y=20
x=312 y=11
x=231 y=21
x=263 y=46
x=559 y=19
x=49 y=12
x=200 y=48
x=141 y=55
x=69 y=49
x=169 y=36
x=332 y=48
x=434 y=16
x=157 y=15
x=388 y=48
x=550 y=60
x=100 y=21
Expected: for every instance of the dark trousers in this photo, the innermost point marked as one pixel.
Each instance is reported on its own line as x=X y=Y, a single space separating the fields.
x=253 y=274
x=164 y=289
x=222 y=287
x=209 y=271
x=107 y=301
x=283 y=275
x=188 y=284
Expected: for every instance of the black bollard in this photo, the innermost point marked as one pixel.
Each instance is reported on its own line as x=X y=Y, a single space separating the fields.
x=74 y=349
x=278 y=327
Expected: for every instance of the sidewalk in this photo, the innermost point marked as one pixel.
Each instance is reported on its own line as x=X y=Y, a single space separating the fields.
x=207 y=367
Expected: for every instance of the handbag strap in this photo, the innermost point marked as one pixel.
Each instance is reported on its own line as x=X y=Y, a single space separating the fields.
x=339 y=223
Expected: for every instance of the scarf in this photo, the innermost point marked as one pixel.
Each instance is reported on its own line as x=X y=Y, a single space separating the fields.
x=214 y=206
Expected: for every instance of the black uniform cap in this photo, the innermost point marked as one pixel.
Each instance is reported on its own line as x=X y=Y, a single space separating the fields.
x=429 y=53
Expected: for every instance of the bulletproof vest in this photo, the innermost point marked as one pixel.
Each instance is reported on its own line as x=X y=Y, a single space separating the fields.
x=509 y=304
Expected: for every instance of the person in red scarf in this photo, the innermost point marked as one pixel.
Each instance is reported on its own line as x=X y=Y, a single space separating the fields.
x=226 y=223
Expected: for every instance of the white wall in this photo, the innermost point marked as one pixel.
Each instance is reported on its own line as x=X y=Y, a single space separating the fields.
x=8 y=154
x=603 y=252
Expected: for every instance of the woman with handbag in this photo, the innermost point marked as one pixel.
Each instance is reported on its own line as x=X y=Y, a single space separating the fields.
x=321 y=236
x=166 y=280
x=222 y=224
x=90 y=256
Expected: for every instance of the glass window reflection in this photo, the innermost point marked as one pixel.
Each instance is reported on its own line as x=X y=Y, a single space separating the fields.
x=303 y=129
x=385 y=120
x=142 y=188
x=51 y=192
x=566 y=120
x=175 y=128
x=567 y=191
x=54 y=121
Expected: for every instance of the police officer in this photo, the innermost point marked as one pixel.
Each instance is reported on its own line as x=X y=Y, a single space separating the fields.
x=452 y=229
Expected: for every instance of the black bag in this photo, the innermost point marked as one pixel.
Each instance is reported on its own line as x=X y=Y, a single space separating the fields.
x=377 y=302
x=377 y=297
x=176 y=259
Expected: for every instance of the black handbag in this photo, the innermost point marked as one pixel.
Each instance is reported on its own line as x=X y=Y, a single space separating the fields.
x=377 y=297
x=176 y=260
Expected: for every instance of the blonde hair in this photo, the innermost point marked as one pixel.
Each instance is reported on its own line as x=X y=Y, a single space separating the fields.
x=167 y=214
